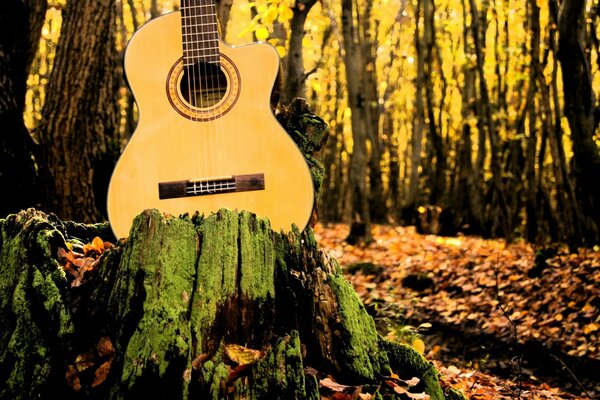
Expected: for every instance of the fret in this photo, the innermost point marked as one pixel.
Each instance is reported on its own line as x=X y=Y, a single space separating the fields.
x=193 y=24
x=196 y=48
x=210 y=60
x=198 y=6
x=200 y=35
x=211 y=33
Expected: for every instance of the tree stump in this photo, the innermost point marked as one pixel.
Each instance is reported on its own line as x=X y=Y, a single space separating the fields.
x=215 y=307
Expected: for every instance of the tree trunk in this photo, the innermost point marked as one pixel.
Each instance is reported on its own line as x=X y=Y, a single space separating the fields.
x=412 y=198
x=223 y=11
x=79 y=129
x=294 y=74
x=20 y=30
x=360 y=230
x=581 y=111
x=216 y=307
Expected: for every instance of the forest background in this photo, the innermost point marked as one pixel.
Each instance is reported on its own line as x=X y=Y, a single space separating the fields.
x=478 y=116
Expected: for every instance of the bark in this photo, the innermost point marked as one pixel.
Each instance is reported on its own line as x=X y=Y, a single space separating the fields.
x=310 y=133
x=334 y=193
x=166 y=306
x=367 y=33
x=530 y=171
x=223 y=11
x=358 y=190
x=294 y=73
x=568 y=209
x=20 y=30
x=580 y=110
x=500 y=215
x=79 y=129
x=437 y=158
x=467 y=198
x=418 y=122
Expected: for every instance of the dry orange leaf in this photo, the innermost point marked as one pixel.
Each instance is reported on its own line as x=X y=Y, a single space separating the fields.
x=72 y=378
x=102 y=373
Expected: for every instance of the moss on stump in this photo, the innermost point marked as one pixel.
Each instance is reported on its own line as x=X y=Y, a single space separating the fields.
x=216 y=307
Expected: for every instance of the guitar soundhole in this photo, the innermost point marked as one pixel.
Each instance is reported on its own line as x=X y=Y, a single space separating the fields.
x=203 y=84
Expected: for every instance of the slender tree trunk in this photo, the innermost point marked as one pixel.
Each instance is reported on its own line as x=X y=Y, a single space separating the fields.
x=437 y=157
x=130 y=119
x=358 y=190
x=20 y=30
x=368 y=45
x=294 y=73
x=418 y=124
x=568 y=208
x=78 y=132
x=530 y=164
x=580 y=110
x=467 y=200
x=223 y=11
x=500 y=214
x=334 y=194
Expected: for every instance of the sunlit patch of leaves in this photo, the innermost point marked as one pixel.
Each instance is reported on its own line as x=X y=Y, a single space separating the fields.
x=554 y=299
x=480 y=386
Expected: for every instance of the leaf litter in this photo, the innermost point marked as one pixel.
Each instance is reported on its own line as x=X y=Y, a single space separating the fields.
x=551 y=296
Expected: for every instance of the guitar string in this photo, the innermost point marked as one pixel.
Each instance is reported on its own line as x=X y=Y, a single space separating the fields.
x=205 y=70
x=199 y=56
x=188 y=61
x=199 y=39
x=216 y=43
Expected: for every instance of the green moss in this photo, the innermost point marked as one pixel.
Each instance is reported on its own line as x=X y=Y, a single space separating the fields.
x=408 y=362
x=216 y=272
x=219 y=378
x=158 y=273
x=453 y=394
x=52 y=300
x=33 y=313
x=280 y=373
x=360 y=354
x=257 y=255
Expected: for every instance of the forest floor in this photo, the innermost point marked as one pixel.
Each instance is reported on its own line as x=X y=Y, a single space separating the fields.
x=499 y=320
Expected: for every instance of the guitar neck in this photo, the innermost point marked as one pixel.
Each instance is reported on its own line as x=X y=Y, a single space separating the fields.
x=199 y=32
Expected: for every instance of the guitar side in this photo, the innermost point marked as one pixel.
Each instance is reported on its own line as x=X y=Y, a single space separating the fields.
x=238 y=137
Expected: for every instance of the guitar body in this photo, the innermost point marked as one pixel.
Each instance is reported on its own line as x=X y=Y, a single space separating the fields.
x=176 y=145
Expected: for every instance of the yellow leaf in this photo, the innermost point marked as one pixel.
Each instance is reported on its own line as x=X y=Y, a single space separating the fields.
x=285 y=13
x=419 y=345
x=261 y=32
x=589 y=328
x=281 y=50
x=242 y=355
x=98 y=244
x=558 y=317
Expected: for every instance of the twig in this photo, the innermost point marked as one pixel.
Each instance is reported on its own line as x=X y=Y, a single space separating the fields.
x=514 y=331
x=572 y=375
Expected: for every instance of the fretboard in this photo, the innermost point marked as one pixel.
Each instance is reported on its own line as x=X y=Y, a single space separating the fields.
x=200 y=33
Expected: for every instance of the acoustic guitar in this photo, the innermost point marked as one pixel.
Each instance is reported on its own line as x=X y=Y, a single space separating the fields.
x=206 y=137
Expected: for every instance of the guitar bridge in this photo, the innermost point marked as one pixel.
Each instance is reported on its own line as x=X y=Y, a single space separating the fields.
x=208 y=186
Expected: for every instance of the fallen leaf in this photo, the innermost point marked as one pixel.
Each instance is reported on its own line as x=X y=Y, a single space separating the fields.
x=242 y=355
x=72 y=378
x=102 y=373
x=105 y=347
